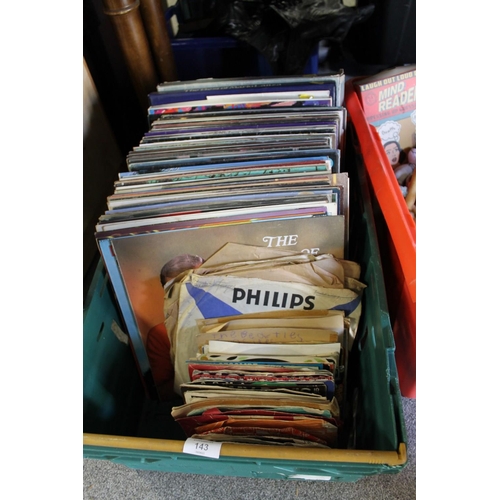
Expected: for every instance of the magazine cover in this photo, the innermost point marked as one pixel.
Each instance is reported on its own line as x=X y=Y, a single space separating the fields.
x=389 y=101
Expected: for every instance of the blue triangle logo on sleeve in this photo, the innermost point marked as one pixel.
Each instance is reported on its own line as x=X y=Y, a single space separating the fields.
x=209 y=305
x=348 y=307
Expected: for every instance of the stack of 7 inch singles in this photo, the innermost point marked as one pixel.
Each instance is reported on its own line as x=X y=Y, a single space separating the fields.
x=272 y=371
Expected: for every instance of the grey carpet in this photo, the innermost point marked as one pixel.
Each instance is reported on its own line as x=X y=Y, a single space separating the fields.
x=106 y=480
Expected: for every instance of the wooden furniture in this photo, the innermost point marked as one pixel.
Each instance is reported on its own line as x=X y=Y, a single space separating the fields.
x=142 y=34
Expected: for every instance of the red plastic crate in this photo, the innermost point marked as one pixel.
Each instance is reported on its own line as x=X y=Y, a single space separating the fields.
x=397 y=240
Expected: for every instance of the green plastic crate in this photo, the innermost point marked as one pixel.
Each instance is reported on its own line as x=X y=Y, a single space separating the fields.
x=124 y=426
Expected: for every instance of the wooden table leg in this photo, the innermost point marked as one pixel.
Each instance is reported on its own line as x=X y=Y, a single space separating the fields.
x=128 y=24
x=159 y=40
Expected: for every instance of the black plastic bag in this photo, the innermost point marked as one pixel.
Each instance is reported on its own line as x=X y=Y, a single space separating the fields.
x=286 y=32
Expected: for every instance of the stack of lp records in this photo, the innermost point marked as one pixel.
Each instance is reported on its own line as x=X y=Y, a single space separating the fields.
x=226 y=243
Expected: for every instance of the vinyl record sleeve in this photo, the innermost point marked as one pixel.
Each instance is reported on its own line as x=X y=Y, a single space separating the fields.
x=134 y=261
x=336 y=80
